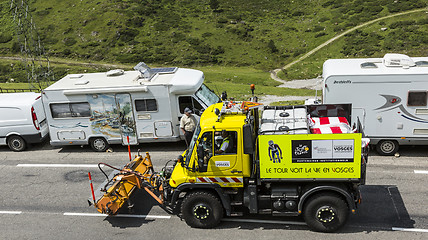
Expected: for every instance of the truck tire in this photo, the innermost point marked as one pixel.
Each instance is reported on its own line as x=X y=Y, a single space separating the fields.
x=99 y=144
x=16 y=143
x=202 y=210
x=387 y=147
x=325 y=212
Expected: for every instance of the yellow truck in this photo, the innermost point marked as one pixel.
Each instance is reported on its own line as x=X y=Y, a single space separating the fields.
x=246 y=159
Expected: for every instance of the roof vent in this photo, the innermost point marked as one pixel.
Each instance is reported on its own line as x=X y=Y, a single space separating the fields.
x=115 y=72
x=368 y=65
x=82 y=82
x=398 y=60
x=75 y=75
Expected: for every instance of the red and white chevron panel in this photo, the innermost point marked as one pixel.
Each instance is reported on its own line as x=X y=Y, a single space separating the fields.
x=335 y=121
x=219 y=180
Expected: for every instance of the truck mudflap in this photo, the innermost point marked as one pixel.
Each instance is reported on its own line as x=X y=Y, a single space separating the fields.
x=111 y=195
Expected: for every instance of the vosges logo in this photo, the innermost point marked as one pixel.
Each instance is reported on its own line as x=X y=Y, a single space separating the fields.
x=343 y=148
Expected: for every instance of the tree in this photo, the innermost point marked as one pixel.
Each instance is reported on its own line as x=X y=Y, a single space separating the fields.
x=214 y=4
x=272 y=47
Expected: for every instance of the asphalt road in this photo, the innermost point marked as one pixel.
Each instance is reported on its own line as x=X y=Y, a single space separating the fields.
x=44 y=193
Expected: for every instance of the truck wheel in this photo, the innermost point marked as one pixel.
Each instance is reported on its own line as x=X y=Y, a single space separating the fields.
x=16 y=143
x=387 y=147
x=325 y=212
x=99 y=144
x=202 y=210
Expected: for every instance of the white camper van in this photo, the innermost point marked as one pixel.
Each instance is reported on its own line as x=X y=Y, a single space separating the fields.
x=388 y=95
x=121 y=107
x=22 y=120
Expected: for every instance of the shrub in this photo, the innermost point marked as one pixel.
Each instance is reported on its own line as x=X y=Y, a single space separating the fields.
x=69 y=41
x=4 y=38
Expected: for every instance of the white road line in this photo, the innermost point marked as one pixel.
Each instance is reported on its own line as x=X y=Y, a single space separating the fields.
x=421 y=172
x=120 y=215
x=263 y=221
x=59 y=165
x=10 y=212
x=410 y=230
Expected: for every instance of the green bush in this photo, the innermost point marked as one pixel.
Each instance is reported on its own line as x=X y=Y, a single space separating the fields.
x=4 y=38
x=69 y=41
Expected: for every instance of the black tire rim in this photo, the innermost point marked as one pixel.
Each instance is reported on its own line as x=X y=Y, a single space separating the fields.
x=201 y=211
x=387 y=147
x=326 y=214
x=16 y=144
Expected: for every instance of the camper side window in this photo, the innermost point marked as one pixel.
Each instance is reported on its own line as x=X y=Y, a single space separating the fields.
x=417 y=99
x=190 y=102
x=146 y=105
x=67 y=110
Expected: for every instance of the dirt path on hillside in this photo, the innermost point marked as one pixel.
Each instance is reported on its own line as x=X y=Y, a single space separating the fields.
x=274 y=73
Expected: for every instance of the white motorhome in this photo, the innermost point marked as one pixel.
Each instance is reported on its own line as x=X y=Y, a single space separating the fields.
x=388 y=95
x=123 y=107
x=22 y=120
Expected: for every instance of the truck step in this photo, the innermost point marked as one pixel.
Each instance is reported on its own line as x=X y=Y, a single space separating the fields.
x=236 y=214
x=231 y=191
x=236 y=203
x=265 y=211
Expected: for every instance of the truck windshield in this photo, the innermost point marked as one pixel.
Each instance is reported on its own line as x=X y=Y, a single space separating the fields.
x=207 y=96
x=192 y=144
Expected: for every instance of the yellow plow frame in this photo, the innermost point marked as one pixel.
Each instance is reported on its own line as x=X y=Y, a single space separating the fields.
x=138 y=173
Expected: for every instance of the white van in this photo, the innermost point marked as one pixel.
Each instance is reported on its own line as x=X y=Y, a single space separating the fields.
x=22 y=120
x=389 y=97
x=123 y=107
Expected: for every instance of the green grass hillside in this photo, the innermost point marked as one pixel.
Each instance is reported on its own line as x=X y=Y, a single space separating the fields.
x=259 y=35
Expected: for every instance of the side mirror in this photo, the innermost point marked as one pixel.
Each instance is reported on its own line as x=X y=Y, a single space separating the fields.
x=180 y=160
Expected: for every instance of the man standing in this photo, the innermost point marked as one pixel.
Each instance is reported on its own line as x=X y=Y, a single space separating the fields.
x=188 y=125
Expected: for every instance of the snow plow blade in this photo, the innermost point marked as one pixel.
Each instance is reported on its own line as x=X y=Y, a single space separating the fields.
x=117 y=189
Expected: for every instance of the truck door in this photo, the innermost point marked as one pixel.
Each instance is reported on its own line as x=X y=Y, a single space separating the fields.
x=217 y=162
x=126 y=119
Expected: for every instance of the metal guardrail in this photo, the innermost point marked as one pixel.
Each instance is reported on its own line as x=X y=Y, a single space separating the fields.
x=14 y=90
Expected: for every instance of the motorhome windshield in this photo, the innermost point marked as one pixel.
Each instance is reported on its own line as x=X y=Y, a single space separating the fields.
x=192 y=144
x=206 y=95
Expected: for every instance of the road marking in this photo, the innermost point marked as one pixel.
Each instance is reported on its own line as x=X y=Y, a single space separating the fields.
x=59 y=165
x=263 y=221
x=10 y=212
x=421 y=172
x=120 y=215
x=410 y=229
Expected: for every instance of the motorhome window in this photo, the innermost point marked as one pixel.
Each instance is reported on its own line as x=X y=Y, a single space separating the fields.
x=190 y=102
x=60 y=110
x=68 y=110
x=417 y=99
x=207 y=96
x=146 y=105
x=80 y=109
x=422 y=63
